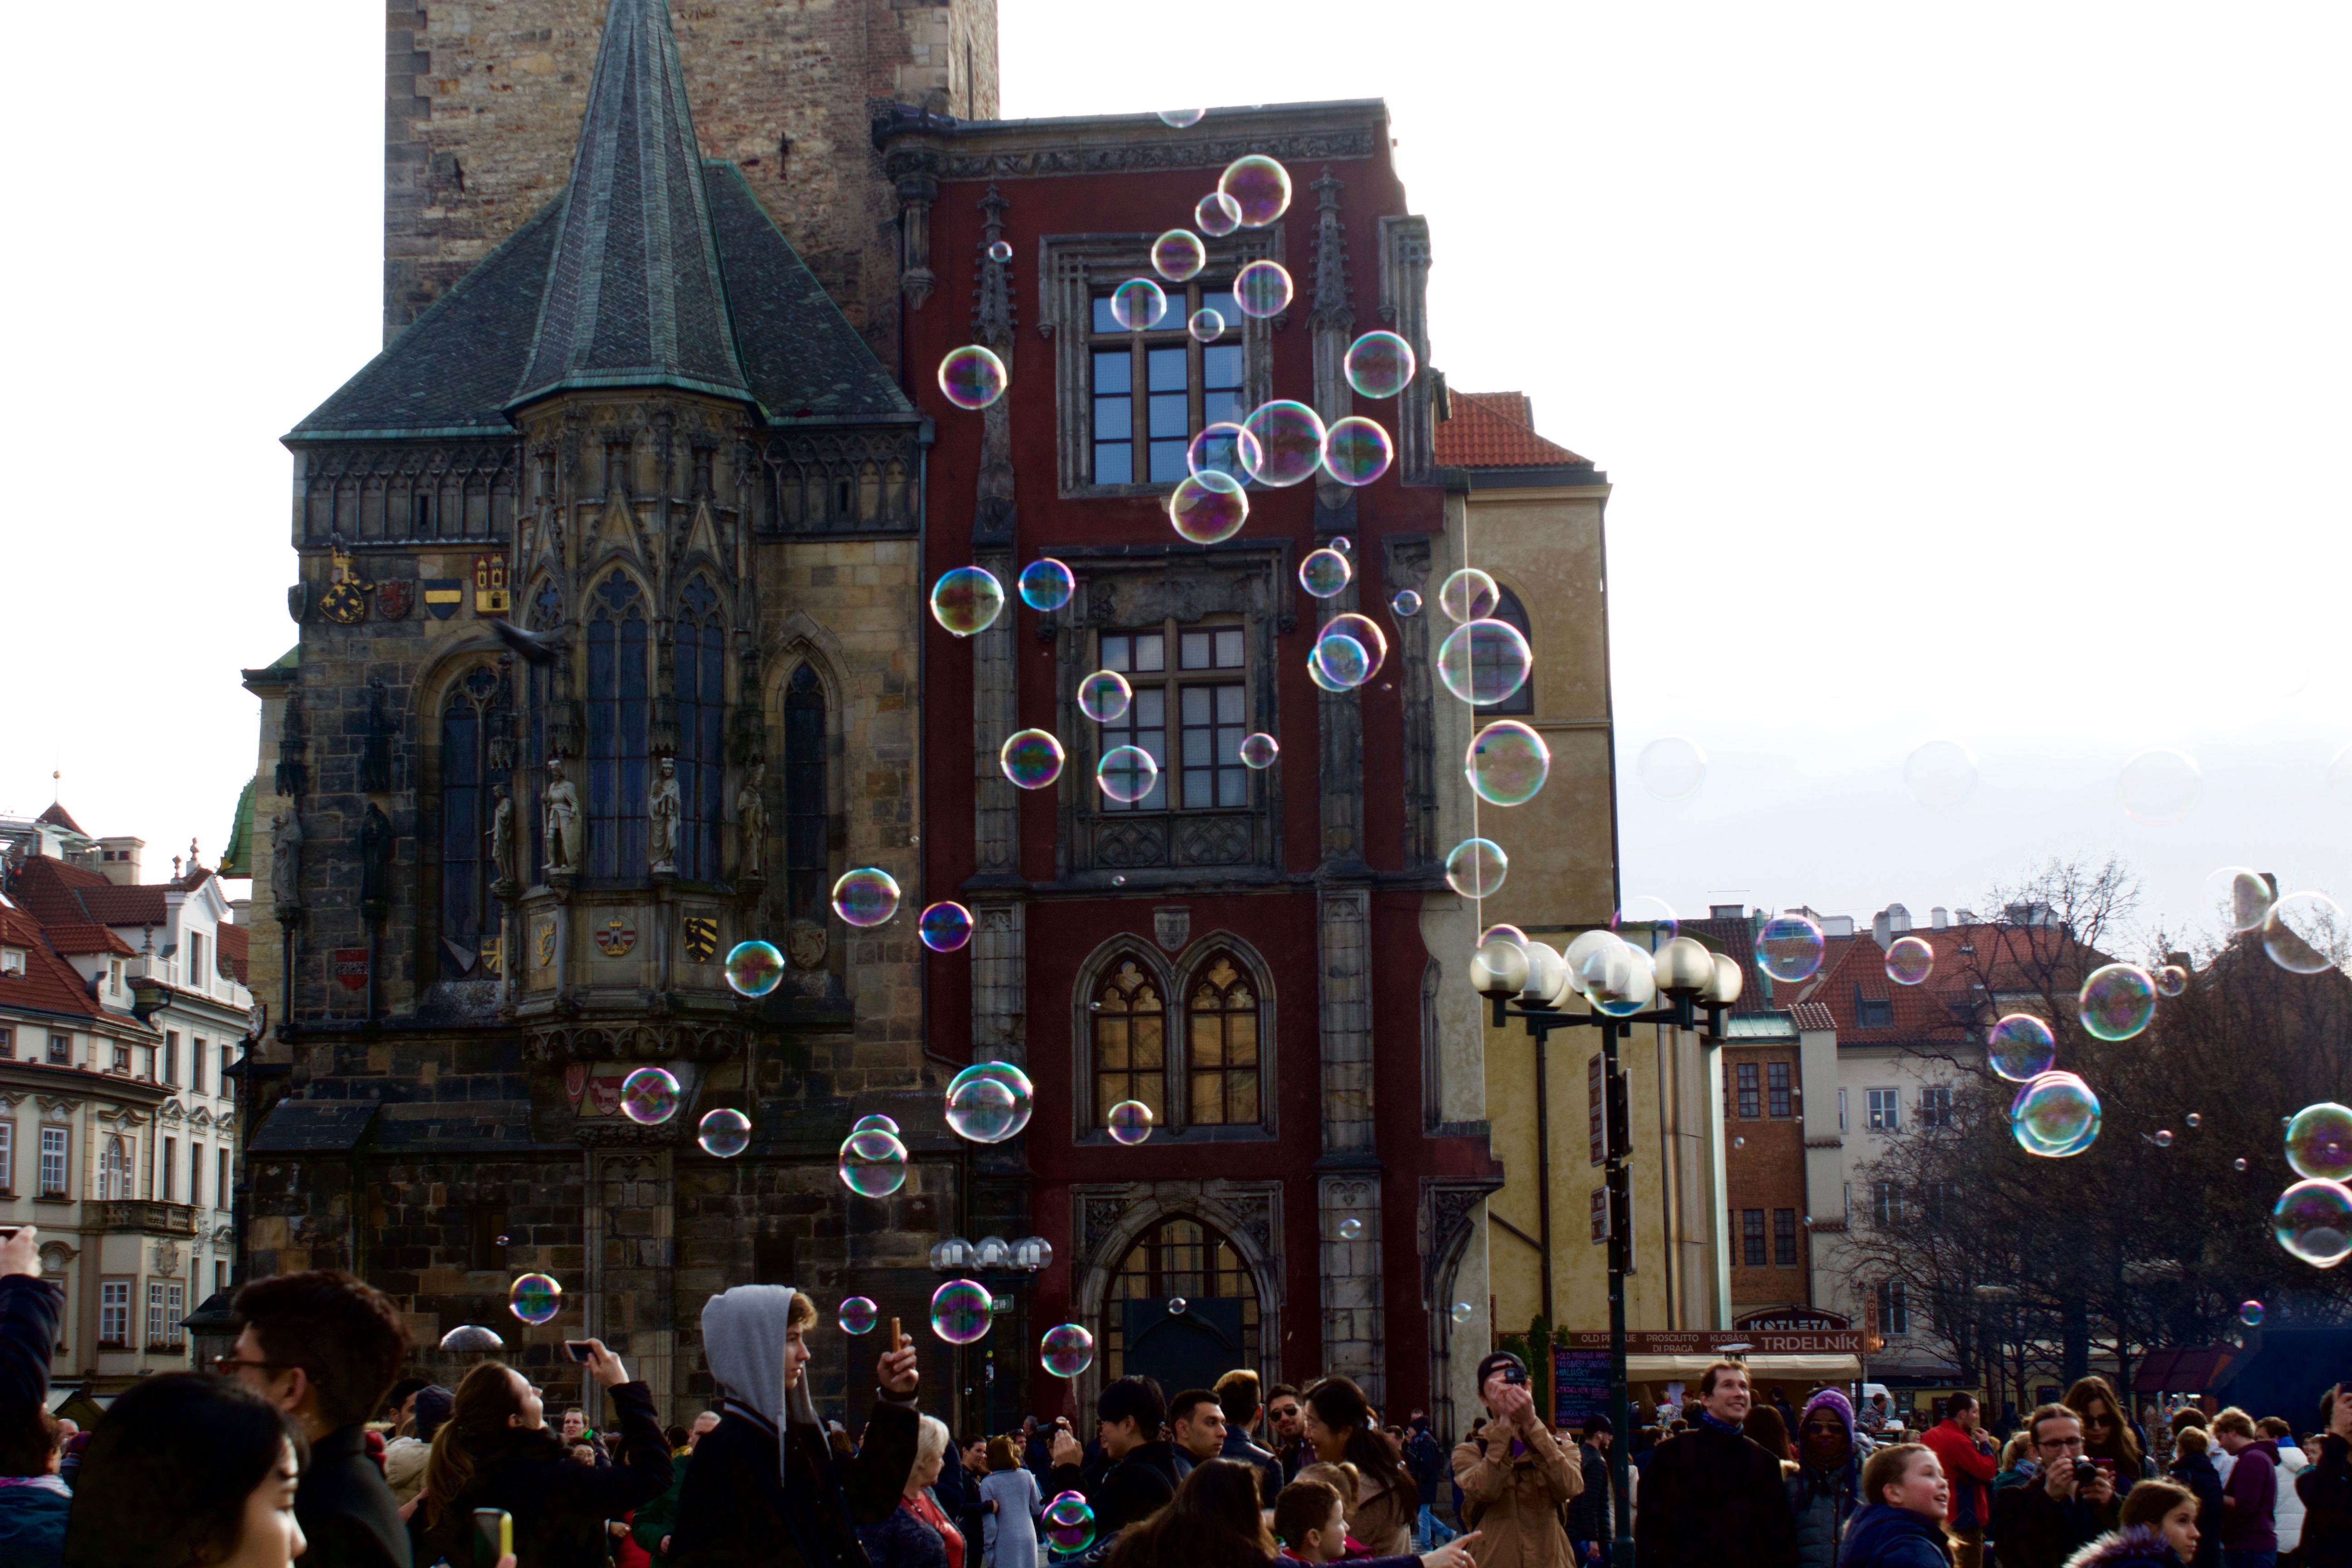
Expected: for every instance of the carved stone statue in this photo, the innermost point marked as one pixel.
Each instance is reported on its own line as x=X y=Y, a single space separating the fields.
x=562 y=806
x=285 y=857
x=751 y=819
x=502 y=840
x=375 y=857
x=805 y=944
x=662 y=811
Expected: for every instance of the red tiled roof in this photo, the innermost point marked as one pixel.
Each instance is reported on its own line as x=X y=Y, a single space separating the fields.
x=58 y=894
x=75 y=940
x=1813 y=1016
x=1495 y=430
x=1942 y=1007
x=48 y=984
x=59 y=816
x=235 y=944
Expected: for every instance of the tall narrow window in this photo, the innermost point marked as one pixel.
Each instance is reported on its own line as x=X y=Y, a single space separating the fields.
x=1752 y=1237
x=806 y=858
x=1215 y=717
x=114 y=1313
x=1142 y=657
x=1508 y=610
x=222 y=1192
x=172 y=1055
x=196 y=1065
x=701 y=648
x=616 y=729
x=171 y=1168
x=1776 y=1082
x=1152 y=389
x=538 y=692
x=1222 y=1069
x=1893 y=1308
x=53 y=1163
x=1784 y=1238
x=197 y=1175
x=1207 y=697
x=113 y=1169
x=198 y=978
x=8 y=1157
x=1130 y=1042
x=1748 y=1106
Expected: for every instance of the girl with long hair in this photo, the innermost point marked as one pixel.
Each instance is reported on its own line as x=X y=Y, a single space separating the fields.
x=2106 y=1433
x=1339 y=1426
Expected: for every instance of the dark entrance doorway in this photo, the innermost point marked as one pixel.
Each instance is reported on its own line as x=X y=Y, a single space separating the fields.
x=1180 y=1259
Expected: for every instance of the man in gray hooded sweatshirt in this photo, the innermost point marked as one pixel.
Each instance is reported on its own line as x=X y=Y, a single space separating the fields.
x=765 y=1486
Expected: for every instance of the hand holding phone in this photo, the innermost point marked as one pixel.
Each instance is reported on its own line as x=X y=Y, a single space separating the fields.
x=493 y=1536
x=578 y=1350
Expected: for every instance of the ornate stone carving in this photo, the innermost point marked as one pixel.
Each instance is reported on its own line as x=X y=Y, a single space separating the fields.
x=1120 y=844
x=667 y=1039
x=286 y=860
x=1172 y=928
x=501 y=835
x=752 y=821
x=1212 y=841
x=561 y=806
x=377 y=839
x=805 y=944
x=662 y=809
x=1207 y=153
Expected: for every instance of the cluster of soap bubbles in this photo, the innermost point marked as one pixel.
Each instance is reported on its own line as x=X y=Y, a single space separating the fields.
x=873 y=1161
x=2302 y=933
x=2313 y=1218
x=989 y=1102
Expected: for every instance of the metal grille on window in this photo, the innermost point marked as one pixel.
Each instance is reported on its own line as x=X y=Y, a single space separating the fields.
x=617 y=730
x=1130 y=1029
x=1152 y=390
x=1221 y=1064
x=1181 y=1258
x=1142 y=657
x=806 y=858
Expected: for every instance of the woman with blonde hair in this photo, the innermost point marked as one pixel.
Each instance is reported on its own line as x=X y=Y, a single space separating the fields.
x=918 y=1533
x=1009 y=1496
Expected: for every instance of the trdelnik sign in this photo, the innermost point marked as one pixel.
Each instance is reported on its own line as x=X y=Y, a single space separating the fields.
x=1724 y=1341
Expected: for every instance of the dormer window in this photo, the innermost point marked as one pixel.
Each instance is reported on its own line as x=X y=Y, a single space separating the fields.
x=12 y=961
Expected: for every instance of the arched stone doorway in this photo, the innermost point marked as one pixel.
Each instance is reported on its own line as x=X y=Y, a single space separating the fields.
x=1181 y=1259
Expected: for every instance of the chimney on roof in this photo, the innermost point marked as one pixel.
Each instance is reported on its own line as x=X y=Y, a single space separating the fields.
x=1836 y=925
x=1727 y=911
x=1890 y=922
x=1963 y=917
x=1940 y=918
x=240 y=911
x=118 y=860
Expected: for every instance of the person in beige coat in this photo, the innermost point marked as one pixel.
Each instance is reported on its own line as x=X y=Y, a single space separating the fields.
x=1514 y=1477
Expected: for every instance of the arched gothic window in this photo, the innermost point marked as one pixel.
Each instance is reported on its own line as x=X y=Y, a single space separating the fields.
x=113 y=1170
x=1130 y=1044
x=1180 y=1257
x=806 y=855
x=1222 y=1058
x=701 y=648
x=468 y=913
x=617 y=728
x=1509 y=611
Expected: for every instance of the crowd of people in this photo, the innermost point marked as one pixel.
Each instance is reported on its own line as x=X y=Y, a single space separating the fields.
x=305 y=1442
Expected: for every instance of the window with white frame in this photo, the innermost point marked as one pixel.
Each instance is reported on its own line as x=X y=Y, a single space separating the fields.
x=55 y=1141
x=7 y=1156
x=1152 y=391
x=1893 y=1308
x=199 y=979
x=1935 y=1105
x=166 y=1305
x=8 y=1045
x=113 y=1170
x=1886 y=1203
x=114 y=1314
x=61 y=1050
x=1885 y=1110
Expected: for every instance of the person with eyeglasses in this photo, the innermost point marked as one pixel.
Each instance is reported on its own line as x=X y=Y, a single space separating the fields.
x=2107 y=1434
x=2067 y=1503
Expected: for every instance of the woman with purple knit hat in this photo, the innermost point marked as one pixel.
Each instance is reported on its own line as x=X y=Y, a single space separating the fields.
x=1827 y=1486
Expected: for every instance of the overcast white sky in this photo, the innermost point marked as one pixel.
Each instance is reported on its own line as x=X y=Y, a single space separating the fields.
x=1971 y=372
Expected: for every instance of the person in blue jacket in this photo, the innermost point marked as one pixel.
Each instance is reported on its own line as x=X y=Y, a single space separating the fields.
x=1900 y=1523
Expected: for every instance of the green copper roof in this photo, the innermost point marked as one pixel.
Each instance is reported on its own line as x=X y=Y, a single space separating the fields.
x=238 y=859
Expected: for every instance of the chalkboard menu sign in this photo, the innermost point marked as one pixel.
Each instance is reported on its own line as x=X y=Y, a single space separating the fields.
x=1579 y=1385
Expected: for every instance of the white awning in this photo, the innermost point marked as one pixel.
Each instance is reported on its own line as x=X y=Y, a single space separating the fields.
x=1762 y=1369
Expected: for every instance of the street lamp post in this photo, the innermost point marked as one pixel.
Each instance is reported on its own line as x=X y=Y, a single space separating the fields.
x=1601 y=983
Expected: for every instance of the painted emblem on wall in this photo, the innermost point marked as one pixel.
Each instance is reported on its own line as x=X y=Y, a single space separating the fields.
x=489 y=585
x=393 y=600
x=543 y=944
x=343 y=604
x=701 y=933
x=575 y=1081
x=615 y=937
x=298 y=601
x=351 y=965
x=1172 y=927
x=442 y=596
x=491 y=953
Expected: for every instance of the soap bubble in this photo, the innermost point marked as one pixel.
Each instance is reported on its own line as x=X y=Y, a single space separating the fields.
x=1130 y=1122
x=1405 y=606
x=1138 y=304
x=1216 y=215
x=1209 y=507
x=1205 y=325
x=945 y=926
x=1012 y=1078
x=1176 y=1306
x=1672 y=766
x=1365 y=630
x=2250 y=1312
x=962 y=1312
x=1181 y=118
x=1507 y=764
x=1484 y=662
x=534 y=1297
x=1104 y=695
x=1350 y=1228
x=2171 y=980
x=2020 y=1047
x=1000 y=252
x=980 y=1109
x=1379 y=364
x=1260 y=189
x=2159 y=786
x=1356 y=451
x=1343 y=544
x=1339 y=662
x=2163 y=1138
x=866 y=897
x=1646 y=922
x=1788 y=948
x=725 y=1132
x=1324 y=573
x=2313 y=1220
x=2236 y=898
x=1290 y=441
x=2305 y=933
x=2319 y=1141
x=1940 y=774
x=1127 y=774
x=754 y=968
x=1070 y=1524
x=2239 y=1163
x=1259 y=749
x=1178 y=255
x=1032 y=759
x=1619 y=980
x=649 y=1096
x=2117 y=1001
x=2055 y=1116
x=876 y=1123
x=471 y=1338
x=1066 y=1350
x=1910 y=960
x=1262 y=288
x=1463 y=1313
x=873 y=1163
x=1503 y=932
x=858 y=1315
x=1468 y=594
x=971 y=376
x=1476 y=867
x=1226 y=448
x=966 y=600
x=2197 y=1121
x=1046 y=584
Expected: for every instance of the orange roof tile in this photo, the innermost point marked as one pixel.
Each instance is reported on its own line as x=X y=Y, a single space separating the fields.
x=1496 y=430
x=75 y=940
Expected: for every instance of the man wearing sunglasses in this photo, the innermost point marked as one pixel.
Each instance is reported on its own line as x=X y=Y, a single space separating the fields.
x=2059 y=1510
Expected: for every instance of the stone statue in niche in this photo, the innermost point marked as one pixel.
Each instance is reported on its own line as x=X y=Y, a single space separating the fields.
x=286 y=858
x=562 y=825
x=375 y=857
x=502 y=836
x=805 y=944
x=662 y=811
x=751 y=819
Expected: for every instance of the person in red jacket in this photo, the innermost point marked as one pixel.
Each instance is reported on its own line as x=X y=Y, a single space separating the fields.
x=1971 y=1460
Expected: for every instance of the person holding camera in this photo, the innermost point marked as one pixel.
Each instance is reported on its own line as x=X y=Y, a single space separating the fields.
x=2068 y=1502
x=1512 y=1475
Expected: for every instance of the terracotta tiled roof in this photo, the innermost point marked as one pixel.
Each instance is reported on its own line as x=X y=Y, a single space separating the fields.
x=235 y=944
x=75 y=940
x=59 y=816
x=1812 y=1016
x=48 y=984
x=1496 y=430
x=1943 y=1008
x=59 y=894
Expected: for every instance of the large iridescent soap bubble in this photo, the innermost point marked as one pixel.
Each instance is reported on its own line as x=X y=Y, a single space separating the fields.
x=1205 y=325
x=945 y=927
x=1259 y=749
x=1290 y=441
x=2308 y=933
x=1365 y=630
x=754 y=968
x=1259 y=187
x=1225 y=446
x=724 y=1132
x=1127 y=774
x=1032 y=759
x=1484 y=662
x=966 y=600
x=1379 y=364
x=1356 y=451
x=1910 y=960
x=2117 y=1001
x=1130 y=1122
x=878 y=1122
x=1216 y=215
x=1208 y=507
x=858 y=1314
x=2055 y=1116
x=1507 y=762
x=1468 y=594
x=963 y=1311
x=2319 y=1141
x=1788 y=948
x=535 y=1298
x=864 y=897
x=2020 y=1047
x=873 y=1163
x=649 y=1096
x=1475 y=868
x=1262 y=288
x=1324 y=573
x=1178 y=255
x=2313 y=1220
x=1105 y=695
x=980 y=1109
x=1069 y=1524
x=1339 y=662
x=1138 y=304
x=471 y=1338
x=971 y=376
x=2236 y=898
x=1015 y=1082
x=1405 y=606
x=1047 y=584
x=1066 y=1350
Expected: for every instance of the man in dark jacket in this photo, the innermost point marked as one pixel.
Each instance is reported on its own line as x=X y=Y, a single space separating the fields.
x=2062 y=1510
x=2326 y=1487
x=1136 y=1472
x=1711 y=1498
x=1588 y=1511
x=35 y=1504
x=2249 y=1534
x=324 y=1348
x=1237 y=1395
x=1286 y=1426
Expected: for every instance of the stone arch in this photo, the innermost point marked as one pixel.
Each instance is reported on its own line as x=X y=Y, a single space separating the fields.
x=1514 y=609
x=1189 y=965
x=800 y=650
x=1110 y=1222
x=1092 y=972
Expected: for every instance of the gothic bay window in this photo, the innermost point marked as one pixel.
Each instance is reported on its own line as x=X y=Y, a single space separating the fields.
x=617 y=752
x=468 y=912
x=1223 y=1065
x=1509 y=611
x=1130 y=1043
x=1151 y=390
x=701 y=651
x=806 y=855
x=1207 y=697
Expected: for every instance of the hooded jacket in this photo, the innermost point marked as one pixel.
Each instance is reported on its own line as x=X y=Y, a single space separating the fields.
x=1511 y=1491
x=765 y=1486
x=1823 y=1500
x=2141 y=1546
x=2254 y=1485
x=1883 y=1536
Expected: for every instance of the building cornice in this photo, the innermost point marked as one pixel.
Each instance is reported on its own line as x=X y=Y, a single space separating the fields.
x=1294 y=133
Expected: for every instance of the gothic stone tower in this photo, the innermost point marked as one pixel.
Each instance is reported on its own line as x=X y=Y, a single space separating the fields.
x=512 y=862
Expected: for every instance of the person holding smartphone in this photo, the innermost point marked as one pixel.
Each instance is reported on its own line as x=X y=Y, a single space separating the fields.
x=1512 y=1476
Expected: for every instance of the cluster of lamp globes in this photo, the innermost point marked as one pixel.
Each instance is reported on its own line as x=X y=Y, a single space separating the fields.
x=1600 y=971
